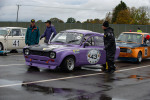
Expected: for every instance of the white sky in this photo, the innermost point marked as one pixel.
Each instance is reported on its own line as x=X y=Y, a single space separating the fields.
x=80 y=9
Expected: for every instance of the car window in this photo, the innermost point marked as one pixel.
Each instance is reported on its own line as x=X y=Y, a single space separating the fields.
x=99 y=41
x=86 y=37
x=16 y=32
x=23 y=32
x=90 y=41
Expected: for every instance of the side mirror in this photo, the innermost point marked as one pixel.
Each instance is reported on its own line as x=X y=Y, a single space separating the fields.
x=85 y=45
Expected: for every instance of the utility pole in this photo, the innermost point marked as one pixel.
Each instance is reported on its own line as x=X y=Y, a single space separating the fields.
x=17 y=12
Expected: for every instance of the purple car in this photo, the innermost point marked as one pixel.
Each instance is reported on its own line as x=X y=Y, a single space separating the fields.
x=67 y=50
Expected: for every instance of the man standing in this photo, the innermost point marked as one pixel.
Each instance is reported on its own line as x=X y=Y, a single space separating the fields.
x=110 y=47
x=32 y=34
x=139 y=30
x=48 y=32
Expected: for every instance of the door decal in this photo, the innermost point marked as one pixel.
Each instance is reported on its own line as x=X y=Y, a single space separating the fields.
x=146 y=51
x=15 y=43
x=93 y=56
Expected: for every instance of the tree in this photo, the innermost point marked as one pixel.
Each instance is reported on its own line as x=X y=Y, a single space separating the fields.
x=139 y=16
x=78 y=22
x=39 y=21
x=117 y=9
x=124 y=17
x=56 y=20
x=71 y=20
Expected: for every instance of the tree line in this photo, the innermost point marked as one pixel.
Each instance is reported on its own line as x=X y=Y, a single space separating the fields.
x=121 y=14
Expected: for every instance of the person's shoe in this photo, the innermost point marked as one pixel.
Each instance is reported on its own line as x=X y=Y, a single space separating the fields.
x=112 y=70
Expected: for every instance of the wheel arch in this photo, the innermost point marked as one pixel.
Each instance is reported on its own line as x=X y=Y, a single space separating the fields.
x=2 y=45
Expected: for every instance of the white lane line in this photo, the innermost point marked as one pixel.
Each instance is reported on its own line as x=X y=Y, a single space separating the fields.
x=50 y=80
x=12 y=65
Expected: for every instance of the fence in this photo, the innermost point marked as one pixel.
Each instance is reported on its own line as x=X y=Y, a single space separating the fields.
x=118 y=28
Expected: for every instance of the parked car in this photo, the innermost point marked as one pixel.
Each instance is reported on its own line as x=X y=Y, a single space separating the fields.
x=69 y=49
x=133 y=46
x=12 y=38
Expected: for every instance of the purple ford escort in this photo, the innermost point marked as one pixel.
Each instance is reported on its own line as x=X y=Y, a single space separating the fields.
x=67 y=50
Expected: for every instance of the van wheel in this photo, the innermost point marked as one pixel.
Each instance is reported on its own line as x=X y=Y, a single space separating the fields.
x=139 y=58
x=1 y=46
x=68 y=64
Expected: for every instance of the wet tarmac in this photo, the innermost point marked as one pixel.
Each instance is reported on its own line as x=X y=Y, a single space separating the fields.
x=20 y=82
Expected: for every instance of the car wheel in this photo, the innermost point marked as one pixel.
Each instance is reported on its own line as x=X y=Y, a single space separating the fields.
x=1 y=46
x=139 y=58
x=68 y=64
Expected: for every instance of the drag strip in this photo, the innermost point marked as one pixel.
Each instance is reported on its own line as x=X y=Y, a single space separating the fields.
x=72 y=77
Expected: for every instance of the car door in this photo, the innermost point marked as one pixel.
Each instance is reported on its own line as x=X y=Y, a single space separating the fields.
x=147 y=47
x=15 y=39
x=94 y=53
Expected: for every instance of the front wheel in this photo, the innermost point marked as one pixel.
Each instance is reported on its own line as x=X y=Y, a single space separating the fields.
x=68 y=64
x=1 y=46
x=139 y=57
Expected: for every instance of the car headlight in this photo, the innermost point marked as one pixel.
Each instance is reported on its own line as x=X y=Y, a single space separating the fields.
x=52 y=55
x=26 y=51
x=129 y=51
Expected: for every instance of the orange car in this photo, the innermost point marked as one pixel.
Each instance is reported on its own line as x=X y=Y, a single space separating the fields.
x=134 y=46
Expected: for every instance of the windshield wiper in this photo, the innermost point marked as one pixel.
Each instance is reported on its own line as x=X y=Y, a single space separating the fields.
x=118 y=40
x=59 y=41
x=129 y=41
x=73 y=41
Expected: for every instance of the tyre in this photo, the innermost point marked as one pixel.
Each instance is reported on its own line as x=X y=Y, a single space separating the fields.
x=1 y=46
x=139 y=57
x=68 y=64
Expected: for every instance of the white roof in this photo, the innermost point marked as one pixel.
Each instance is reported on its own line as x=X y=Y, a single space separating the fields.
x=12 y=28
x=79 y=30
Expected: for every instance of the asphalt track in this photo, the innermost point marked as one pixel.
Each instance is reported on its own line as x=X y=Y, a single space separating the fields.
x=131 y=81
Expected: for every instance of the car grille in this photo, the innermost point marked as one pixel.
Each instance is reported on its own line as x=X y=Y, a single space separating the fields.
x=123 y=49
x=39 y=53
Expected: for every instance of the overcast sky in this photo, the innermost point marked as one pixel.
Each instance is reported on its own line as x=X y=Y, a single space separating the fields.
x=46 y=9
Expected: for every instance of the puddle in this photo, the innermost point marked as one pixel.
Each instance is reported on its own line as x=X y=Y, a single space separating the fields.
x=72 y=94
x=138 y=77
x=49 y=90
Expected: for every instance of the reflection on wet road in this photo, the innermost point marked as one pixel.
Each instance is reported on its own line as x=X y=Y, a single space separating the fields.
x=89 y=83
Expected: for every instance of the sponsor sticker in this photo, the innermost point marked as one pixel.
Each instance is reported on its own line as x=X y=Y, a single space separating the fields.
x=76 y=51
x=93 y=56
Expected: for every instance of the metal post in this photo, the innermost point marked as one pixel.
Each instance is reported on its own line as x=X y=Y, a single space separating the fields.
x=17 y=12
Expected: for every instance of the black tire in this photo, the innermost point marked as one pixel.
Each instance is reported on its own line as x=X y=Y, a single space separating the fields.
x=139 y=57
x=1 y=47
x=68 y=64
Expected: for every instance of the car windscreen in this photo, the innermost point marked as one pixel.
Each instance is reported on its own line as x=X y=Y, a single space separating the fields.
x=3 y=32
x=129 y=37
x=68 y=38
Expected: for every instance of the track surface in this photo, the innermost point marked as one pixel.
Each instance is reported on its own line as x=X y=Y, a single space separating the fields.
x=20 y=82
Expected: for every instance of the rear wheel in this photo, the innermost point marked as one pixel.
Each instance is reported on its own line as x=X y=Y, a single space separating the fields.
x=1 y=46
x=68 y=64
x=139 y=57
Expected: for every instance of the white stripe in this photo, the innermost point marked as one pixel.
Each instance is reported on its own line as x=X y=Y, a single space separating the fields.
x=50 y=80
x=12 y=65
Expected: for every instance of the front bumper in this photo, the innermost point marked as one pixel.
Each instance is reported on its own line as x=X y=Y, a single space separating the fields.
x=41 y=62
x=127 y=59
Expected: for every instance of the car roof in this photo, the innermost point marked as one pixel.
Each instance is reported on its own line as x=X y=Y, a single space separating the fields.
x=85 y=32
x=136 y=33
x=12 y=28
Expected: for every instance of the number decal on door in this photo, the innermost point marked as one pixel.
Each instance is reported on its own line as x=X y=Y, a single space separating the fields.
x=15 y=43
x=93 y=56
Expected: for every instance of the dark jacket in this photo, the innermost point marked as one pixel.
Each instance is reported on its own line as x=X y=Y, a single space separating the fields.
x=48 y=32
x=32 y=36
x=109 y=42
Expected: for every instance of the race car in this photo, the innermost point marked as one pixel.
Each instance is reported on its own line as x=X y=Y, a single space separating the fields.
x=12 y=38
x=67 y=50
x=134 y=46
